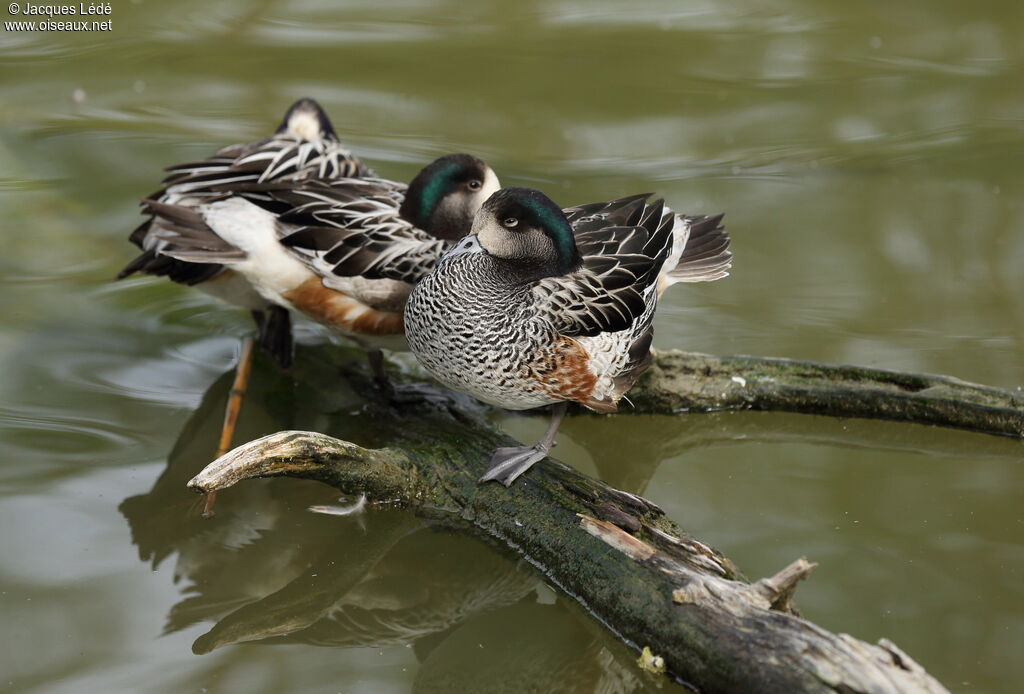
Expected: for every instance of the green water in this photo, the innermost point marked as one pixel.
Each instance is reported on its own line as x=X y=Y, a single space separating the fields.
x=868 y=157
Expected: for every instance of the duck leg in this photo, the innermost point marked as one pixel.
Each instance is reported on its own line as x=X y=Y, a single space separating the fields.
x=237 y=393
x=275 y=334
x=508 y=463
x=375 y=356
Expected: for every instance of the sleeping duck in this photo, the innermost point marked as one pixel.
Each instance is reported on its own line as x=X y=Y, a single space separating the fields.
x=304 y=147
x=543 y=306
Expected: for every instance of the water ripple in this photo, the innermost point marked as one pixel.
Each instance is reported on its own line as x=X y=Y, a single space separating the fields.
x=77 y=434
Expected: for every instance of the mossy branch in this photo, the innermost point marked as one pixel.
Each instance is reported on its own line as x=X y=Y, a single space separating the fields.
x=652 y=585
x=617 y=554
x=690 y=382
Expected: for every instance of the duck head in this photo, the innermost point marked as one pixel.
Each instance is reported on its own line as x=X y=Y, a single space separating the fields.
x=307 y=120
x=444 y=197
x=525 y=228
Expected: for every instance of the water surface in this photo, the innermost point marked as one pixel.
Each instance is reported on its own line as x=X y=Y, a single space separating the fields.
x=867 y=157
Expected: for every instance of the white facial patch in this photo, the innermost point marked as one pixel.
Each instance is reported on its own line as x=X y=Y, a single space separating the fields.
x=491 y=185
x=493 y=237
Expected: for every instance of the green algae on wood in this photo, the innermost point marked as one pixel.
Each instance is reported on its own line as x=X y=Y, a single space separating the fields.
x=690 y=382
x=642 y=578
x=633 y=569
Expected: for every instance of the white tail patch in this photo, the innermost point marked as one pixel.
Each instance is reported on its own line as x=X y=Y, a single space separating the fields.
x=269 y=266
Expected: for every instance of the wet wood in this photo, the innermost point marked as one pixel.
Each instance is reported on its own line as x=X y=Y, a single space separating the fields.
x=681 y=382
x=637 y=573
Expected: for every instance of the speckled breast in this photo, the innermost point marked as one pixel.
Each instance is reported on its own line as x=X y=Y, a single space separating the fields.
x=478 y=334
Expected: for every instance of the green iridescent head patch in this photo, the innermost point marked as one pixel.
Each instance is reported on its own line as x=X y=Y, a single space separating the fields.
x=434 y=189
x=552 y=220
x=538 y=211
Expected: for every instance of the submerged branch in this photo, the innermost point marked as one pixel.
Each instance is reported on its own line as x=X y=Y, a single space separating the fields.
x=634 y=570
x=657 y=589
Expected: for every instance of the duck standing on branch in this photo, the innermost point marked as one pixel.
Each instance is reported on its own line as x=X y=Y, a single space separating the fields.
x=542 y=306
x=344 y=252
x=305 y=147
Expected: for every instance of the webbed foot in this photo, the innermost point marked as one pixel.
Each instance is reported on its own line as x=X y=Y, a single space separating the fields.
x=508 y=463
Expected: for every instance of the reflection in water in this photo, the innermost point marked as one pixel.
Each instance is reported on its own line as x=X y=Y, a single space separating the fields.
x=527 y=647
x=268 y=571
x=867 y=154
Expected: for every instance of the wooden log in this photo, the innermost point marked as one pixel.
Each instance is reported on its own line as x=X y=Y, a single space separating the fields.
x=690 y=382
x=638 y=574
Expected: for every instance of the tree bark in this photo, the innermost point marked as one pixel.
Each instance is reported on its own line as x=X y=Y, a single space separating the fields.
x=690 y=382
x=653 y=586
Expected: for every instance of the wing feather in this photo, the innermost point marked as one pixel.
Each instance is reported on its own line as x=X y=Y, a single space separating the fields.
x=706 y=256
x=613 y=289
x=236 y=170
x=352 y=228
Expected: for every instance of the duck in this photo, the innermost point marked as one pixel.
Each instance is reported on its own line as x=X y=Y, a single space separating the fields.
x=304 y=147
x=344 y=252
x=543 y=306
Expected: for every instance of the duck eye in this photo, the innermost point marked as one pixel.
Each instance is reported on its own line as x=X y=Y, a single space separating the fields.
x=475 y=185
x=510 y=222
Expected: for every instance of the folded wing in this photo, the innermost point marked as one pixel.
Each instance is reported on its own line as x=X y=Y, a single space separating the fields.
x=352 y=228
x=614 y=288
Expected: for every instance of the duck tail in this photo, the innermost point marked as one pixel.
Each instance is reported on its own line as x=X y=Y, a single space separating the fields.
x=706 y=256
x=139 y=263
x=151 y=262
x=186 y=236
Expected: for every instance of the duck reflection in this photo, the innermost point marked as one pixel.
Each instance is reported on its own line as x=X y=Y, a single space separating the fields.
x=530 y=647
x=393 y=584
x=266 y=570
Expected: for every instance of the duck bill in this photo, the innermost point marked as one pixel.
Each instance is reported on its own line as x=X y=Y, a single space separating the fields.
x=470 y=244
